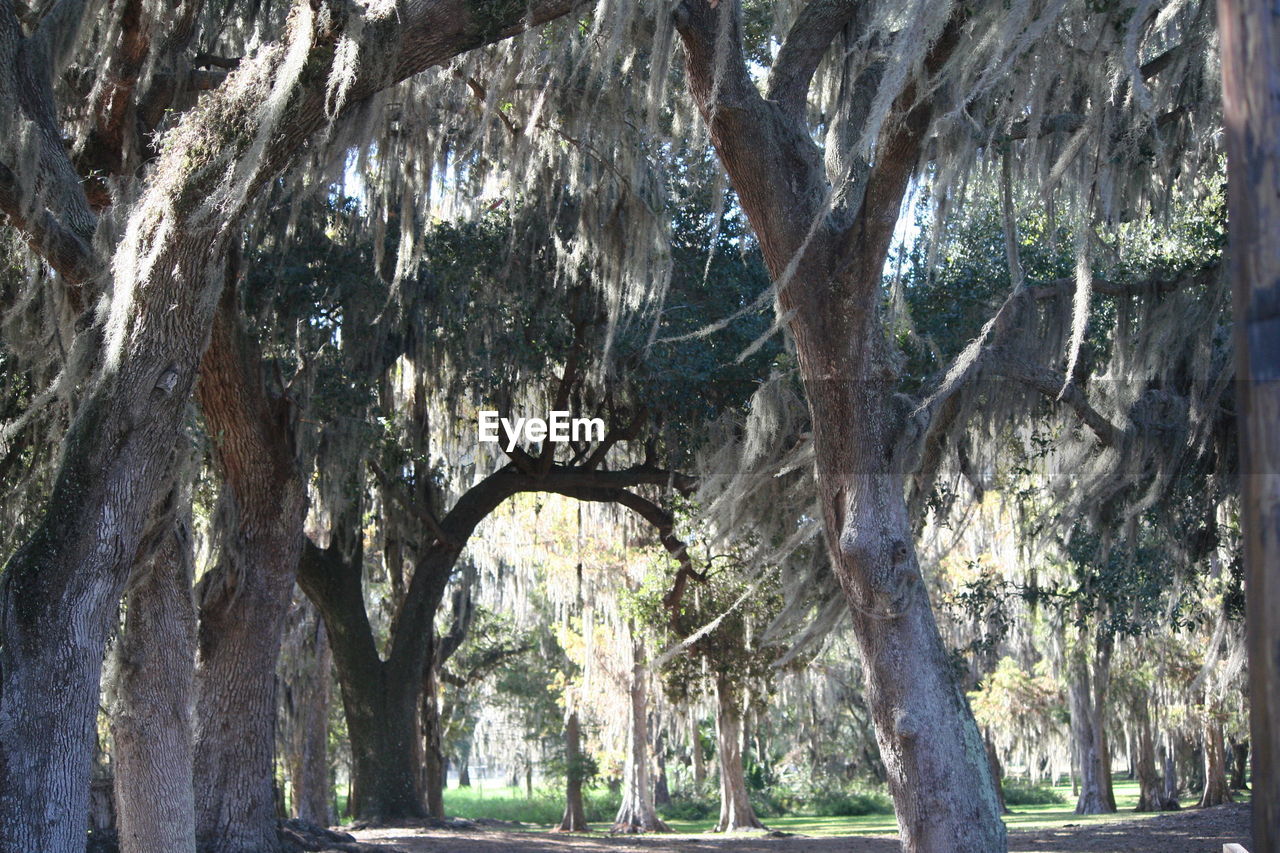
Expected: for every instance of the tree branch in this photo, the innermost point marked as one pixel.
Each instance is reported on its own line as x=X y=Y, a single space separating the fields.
x=806 y=43
x=1052 y=384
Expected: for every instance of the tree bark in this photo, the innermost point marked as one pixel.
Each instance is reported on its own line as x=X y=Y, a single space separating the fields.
x=636 y=813
x=244 y=599
x=827 y=261
x=1249 y=39
x=1216 y=791
x=736 y=812
x=151 y=720
x=575 y=812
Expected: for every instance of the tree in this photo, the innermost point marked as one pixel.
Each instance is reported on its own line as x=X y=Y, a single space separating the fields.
x=118 y=452
x=825 y=245
x=1250 y=40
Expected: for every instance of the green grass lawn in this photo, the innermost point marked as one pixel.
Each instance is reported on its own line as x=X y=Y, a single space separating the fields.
x=543 y=810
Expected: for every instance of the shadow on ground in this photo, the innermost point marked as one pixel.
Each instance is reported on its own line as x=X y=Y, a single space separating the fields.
x=1191 y=831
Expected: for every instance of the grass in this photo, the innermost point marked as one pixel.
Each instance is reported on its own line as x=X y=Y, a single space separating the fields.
x=544 y=809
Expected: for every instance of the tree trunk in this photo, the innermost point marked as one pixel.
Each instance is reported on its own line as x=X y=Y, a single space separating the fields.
x=1239 y=764
x=736 y=812
x=997 y=771
x=1087 y=694
x=380 y=698
x=828 y=263
x=1151 y=791
x=575 y=812
x=636 y=813
x=464 y=764
x=244 y=599
x=699 y=761
x=306 y=717
x=151 y=720
x=661 y=789
x=1250 y=48
x=1170 y=763
x=433 y=767
x=1216 y=792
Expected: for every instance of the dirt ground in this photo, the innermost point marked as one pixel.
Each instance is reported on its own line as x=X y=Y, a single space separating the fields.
x=1191 y=831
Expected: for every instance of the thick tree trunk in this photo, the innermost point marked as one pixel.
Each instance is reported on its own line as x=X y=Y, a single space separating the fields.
x=1216 y=792
x=151 y=719
x=1170 y=764
x=636 y=813
x=306 y=716
x=575 y=812
x=828 y=262
x=380 y=698
x=1250 y=47
x=736 y=812
x=244 y=599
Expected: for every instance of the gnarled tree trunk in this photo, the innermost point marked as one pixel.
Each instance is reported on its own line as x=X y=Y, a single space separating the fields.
x=828 y=261
x=245 y=597
x=735 y=804
x=151 y=717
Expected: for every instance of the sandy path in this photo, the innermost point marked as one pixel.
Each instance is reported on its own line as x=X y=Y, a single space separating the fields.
x=1191 y=831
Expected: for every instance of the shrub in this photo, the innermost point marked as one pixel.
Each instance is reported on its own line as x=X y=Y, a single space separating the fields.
x=689 y=807
x=1018 y=792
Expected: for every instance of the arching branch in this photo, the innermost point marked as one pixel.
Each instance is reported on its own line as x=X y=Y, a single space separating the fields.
x=806 y=43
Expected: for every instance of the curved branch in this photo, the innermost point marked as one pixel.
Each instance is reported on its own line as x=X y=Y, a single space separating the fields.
x=806 y=43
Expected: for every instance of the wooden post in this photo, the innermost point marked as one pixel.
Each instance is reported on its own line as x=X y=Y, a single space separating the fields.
x=1250 y=45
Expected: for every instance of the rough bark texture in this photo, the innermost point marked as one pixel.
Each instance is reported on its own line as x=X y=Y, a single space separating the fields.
x=735 y=804
x=636 y=813
x=1250 y=47
x=575 y=812
x=60 y=590
x=828 y=259
x=151 y=719
x=245 y=597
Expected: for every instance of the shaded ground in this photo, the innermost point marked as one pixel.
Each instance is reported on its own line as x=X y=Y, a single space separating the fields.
x=1191 y=831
